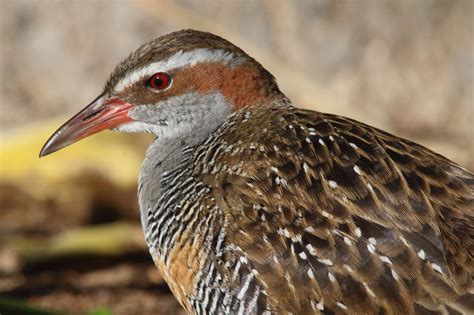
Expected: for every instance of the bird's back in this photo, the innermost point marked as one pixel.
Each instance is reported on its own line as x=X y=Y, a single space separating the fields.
x=326 y=214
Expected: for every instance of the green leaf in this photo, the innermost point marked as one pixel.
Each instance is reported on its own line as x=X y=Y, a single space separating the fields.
x=101 y=311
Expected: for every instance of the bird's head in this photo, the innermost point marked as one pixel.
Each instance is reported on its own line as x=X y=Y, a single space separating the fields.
x=184 y=81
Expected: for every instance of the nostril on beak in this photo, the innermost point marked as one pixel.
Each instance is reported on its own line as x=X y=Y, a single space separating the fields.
x=91 y=115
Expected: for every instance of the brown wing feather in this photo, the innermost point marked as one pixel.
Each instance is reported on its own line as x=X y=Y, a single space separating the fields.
x=335 y=215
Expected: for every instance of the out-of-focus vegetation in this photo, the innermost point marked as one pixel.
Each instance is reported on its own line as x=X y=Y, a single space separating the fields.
x=70 y=240
x=17 y=307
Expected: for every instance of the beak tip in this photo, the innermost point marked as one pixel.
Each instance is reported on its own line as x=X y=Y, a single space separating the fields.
x=44 y=151
x=50 y=146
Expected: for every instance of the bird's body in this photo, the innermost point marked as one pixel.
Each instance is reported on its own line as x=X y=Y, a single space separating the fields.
x=250 y=205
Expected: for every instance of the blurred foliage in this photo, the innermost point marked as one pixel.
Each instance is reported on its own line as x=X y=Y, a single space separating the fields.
x=99 y=240
x=115 y=156
x=101 y=311
x=18 y=307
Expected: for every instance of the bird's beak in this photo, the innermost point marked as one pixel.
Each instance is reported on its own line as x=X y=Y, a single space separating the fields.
x=103 y=113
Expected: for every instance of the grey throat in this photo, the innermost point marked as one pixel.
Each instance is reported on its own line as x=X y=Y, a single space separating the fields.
x=165 y=182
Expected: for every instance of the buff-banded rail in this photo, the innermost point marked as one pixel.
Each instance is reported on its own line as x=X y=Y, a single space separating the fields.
x=250 y=205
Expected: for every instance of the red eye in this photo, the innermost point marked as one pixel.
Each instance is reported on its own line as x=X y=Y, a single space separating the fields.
x=159 y=81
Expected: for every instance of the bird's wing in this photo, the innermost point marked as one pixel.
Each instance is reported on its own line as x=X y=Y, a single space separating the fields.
x=335 y=214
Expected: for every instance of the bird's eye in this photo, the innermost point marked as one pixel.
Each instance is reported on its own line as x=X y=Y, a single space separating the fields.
x=159 y=81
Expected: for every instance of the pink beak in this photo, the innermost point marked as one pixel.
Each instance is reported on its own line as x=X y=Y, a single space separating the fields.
x=102 y=113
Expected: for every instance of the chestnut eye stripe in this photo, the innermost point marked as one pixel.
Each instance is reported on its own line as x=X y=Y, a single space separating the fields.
x=179 y=60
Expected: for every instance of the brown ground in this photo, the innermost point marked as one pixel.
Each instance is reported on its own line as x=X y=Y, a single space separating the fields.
x=404 y=66
x=103 y=263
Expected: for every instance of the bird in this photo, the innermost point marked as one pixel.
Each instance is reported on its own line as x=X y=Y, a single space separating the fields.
x=251 y=205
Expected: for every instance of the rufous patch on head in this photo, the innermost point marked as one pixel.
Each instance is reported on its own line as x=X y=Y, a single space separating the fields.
x=242 y=85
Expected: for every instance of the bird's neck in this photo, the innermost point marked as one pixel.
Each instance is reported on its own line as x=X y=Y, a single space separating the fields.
x=168 y=165
x=167 y=170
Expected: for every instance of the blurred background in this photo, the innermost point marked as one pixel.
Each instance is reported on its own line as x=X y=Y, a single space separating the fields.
x=70 y=240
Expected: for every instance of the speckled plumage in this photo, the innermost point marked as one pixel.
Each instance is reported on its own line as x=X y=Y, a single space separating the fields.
x=252 y=206
x=331 y=211
x=309 y=212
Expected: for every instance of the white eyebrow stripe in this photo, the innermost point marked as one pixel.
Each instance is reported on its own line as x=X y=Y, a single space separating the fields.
x=179 y=59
